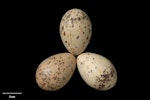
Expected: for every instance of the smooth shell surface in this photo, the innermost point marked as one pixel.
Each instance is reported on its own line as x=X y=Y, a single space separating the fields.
x=75 y=30
x=55 y=72
x=97 y=71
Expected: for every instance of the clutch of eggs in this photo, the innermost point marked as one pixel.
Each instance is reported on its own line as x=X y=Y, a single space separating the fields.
x=54 y=72
x=97 y=71
x=75 y=30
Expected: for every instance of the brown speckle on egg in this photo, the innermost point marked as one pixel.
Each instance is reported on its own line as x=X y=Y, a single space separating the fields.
x=48 y=62
x=62 y=28
x=43 y=84
x=63 y=78
x=64 y=33
x=87 y=38
x=83 y=17
x=87 y=18
x=43 y=76
x=58 y=73
x=54 y=77
x=65 y=41
x=89 y=30
x=72 y=25
x=79 y=18
x=91 y=71
x=77 y=37
x=68 y=16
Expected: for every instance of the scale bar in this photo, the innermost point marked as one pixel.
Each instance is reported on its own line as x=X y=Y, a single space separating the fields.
x=11 y=92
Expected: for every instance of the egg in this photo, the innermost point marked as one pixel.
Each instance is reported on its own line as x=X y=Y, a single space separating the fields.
x=97 y=71
x=75 y=30
x=54 y=72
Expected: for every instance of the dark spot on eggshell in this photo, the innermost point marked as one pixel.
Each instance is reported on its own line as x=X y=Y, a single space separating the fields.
x=62 y=28
x=87 y=38
x=77 y=37
x=55 y=77
x=43 y=76
x=49 y=78
x=91 y=71
x=72 y=25
x=68 y=16
x=62 y=63
x=112 y=72
x=79 y=18
x=48 y=62
x=43 y=84
x=87 y=18
x=64 y=69
x=104 y=71
x=63 y=19
x=50 y=87
x=55 y=63
x=89 y=30
x=64 y=33
x=83 y=17
x=108 y=86
x=58 y=79
x=58 y=73
x=75 y=18
x=65 y=41
x=63 y=78
x=72 y=22
x=83 y=14
x=84 y=43
x=101 y=86
x=71 y=48
x=71 y=19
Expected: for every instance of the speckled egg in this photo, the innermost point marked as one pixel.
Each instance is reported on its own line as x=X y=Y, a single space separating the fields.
x=55 y=72
x=75 y=30
x=97 y=71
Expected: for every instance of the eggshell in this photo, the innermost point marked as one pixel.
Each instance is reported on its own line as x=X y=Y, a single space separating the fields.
x=75 y=30
x=97 y=71
x=55 y=72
